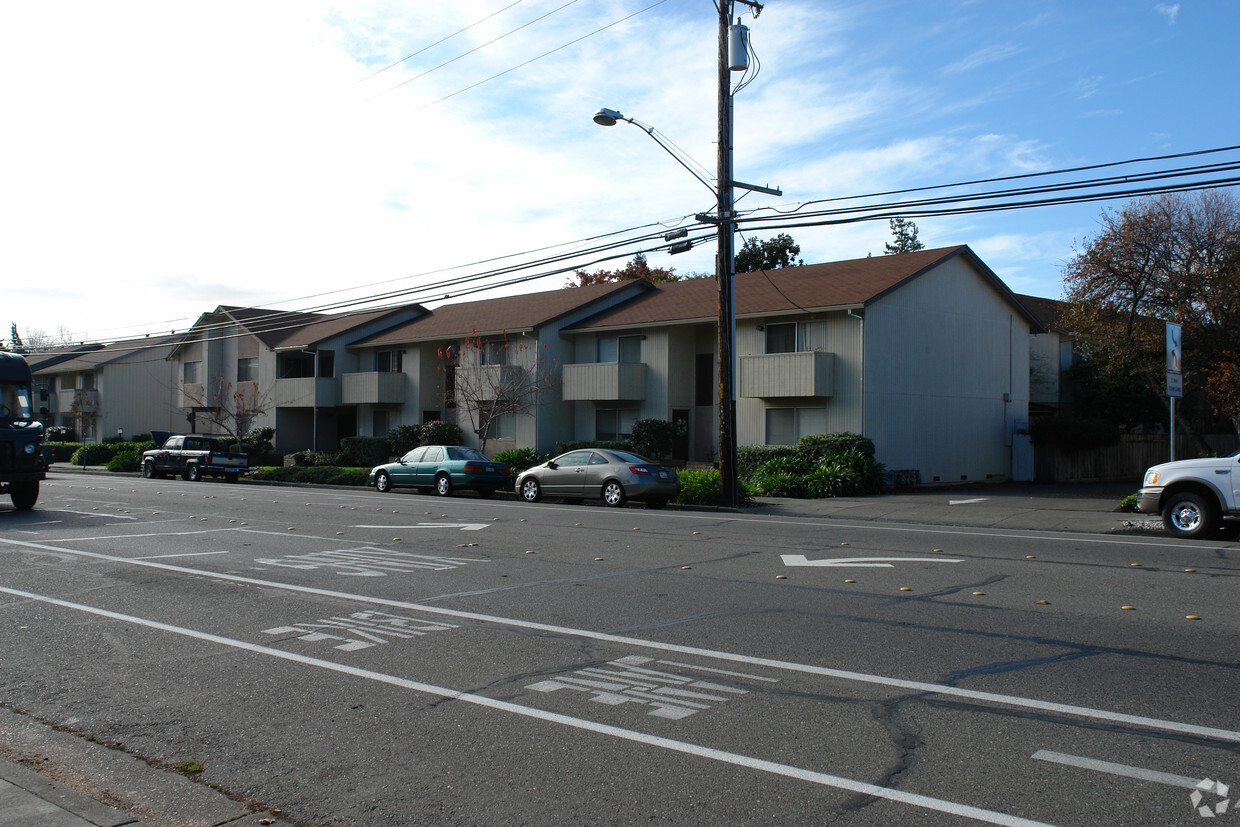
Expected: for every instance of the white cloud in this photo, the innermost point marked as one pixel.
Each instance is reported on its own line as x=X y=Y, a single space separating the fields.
x=1168 y=10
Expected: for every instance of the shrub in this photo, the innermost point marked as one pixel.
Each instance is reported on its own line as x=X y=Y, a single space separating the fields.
x=438 y=432
x=1129 y=503
x=654 y=438
x=63 y=451
x=317 y=475
x=816 y=446
x=96 y=453
x=60 y=433
x=316 y=459
x=403 y=439
x=259 y=441
x=127 y=460
x=369 y=451
x=518 y=459
x=702 y=488
x=783 y=476
x=574 y=444
x=749 y=458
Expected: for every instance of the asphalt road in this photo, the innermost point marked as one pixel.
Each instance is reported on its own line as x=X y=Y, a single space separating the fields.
x=351 y=658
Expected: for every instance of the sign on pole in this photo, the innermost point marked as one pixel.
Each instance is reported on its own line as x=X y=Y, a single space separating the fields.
x=1175 y=378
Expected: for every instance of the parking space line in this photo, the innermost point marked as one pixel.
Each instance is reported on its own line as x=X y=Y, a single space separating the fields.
x=684 y=747
x=1139 y=773
x=925 y=687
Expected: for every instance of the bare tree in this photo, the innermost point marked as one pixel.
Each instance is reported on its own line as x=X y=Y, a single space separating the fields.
x=231 y=408
x=489 y=378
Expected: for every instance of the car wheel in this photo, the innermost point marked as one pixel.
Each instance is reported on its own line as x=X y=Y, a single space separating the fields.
x=531 y=491
x=486 y=493
x=1190 y=515
x=24 y=494
x=613 y=494
x=383 y=482
x=192 y=474
x=443 y=485
x=148 y=469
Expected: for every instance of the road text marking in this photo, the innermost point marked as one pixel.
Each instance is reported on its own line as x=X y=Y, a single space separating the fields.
x=860 y=562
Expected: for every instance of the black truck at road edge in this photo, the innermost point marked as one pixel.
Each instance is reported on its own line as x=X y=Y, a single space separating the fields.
x=22 y=464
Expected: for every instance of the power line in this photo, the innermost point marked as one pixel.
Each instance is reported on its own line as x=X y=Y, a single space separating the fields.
x=441 y=40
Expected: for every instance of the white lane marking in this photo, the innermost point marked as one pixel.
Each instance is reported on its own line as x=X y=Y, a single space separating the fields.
x=822 y=671
x=93 y=514
x=860 y=562
x=187 y=554
x=967 y=502
x=1139 y=773
x=735 y=759
x=461 y=526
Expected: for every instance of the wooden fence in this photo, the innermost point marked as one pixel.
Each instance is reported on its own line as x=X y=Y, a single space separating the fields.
x=1125 y=462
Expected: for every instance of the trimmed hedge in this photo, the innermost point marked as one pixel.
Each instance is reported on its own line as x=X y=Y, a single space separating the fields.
x=363 y=450
x=316 y=474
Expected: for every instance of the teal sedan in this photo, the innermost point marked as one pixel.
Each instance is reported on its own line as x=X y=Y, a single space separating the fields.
x=443 y=469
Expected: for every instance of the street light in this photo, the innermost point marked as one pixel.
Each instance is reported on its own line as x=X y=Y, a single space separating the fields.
x=732 y=57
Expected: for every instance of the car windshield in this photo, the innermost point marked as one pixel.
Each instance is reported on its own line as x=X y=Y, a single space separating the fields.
x=15 y=401
x=465 y=453
x=625 y=456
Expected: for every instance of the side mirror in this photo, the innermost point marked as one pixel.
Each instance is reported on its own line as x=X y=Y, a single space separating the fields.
x=551 y=464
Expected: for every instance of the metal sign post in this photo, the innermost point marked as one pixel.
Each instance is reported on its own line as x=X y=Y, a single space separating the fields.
x=1175 y=377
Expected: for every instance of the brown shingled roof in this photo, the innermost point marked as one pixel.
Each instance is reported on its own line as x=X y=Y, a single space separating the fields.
x=508 y=313
x=312 y=334
x=853 y=283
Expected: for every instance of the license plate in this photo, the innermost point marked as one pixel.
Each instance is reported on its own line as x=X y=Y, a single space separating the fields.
x=662 y=475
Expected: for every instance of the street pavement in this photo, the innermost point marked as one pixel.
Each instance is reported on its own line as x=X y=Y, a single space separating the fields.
x=29 y=799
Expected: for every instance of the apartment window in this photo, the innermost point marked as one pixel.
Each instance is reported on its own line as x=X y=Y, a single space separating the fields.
x=247 y=369
x=493 y=353
x=796 y=337
x=191 y=373
x=88 y=381
x=504 y=426
x=620 y=349
x=327 y=364
x=784 y=426
x=612 y=423
x=389 y=361
x=296 y=366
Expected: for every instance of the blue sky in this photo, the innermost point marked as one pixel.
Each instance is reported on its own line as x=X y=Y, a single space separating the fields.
x=161 y=159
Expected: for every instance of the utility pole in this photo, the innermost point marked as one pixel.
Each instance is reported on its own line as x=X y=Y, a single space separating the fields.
x=724 y=274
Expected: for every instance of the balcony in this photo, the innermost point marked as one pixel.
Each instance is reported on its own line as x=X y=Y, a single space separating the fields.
x=486 y=383
x=78 y=400
x=306 y=392
x=605 y=382
x=373 y=388
x=776 y=375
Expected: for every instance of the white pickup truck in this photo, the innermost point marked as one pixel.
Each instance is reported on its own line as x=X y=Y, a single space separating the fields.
x=1197 y=498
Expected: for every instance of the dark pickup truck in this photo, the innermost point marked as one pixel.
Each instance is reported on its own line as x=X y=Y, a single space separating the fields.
x=193 y=457
x=22 y=463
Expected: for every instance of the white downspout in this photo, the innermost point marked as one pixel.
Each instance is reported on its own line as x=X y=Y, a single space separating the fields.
x=861 y=362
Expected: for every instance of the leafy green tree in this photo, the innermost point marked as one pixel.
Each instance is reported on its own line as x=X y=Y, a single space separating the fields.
x=755 y=255
x=905 y=235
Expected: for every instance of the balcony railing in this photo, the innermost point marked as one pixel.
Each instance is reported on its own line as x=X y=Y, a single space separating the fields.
x=605 y=381
x=486 y=383
x=773 y=375
x=306 y=392
x=372 y=388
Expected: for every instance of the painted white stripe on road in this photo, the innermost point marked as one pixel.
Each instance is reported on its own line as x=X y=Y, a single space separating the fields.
x=822 y=671
x=735 y=759
x=187 y=554
x=461 y=526
x=967 y=502
x=859 y=562
x=1118 y=769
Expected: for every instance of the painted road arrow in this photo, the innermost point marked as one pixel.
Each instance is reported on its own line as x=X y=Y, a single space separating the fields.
x=461 y=526
x=868 y=562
